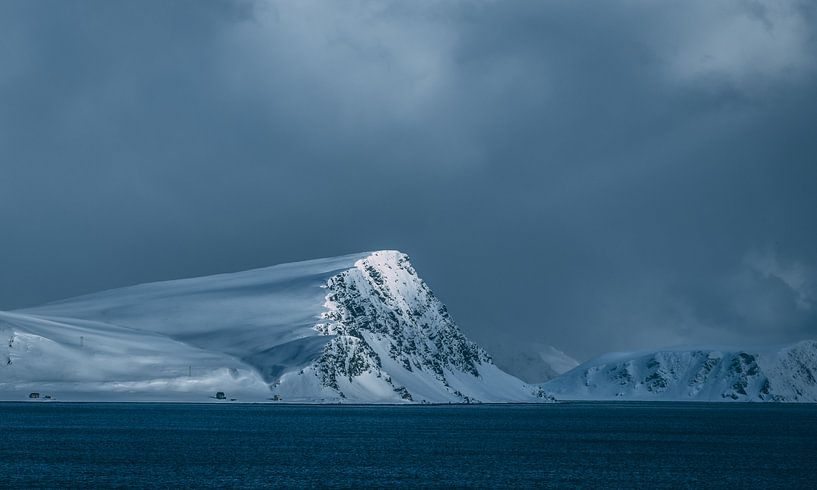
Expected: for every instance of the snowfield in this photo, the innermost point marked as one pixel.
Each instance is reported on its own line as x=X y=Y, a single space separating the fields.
x=361 y=328
x=782 y=374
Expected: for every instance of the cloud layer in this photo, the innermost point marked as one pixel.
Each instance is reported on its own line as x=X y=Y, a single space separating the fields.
x=597 y=176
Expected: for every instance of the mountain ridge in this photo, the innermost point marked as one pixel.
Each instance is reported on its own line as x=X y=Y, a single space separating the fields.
x=785 y=373
x=358 y=328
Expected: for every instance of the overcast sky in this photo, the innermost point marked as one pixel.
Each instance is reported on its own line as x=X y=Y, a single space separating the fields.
x=593 y=175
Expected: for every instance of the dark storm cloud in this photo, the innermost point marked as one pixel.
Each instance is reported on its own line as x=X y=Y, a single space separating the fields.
x=594 y=176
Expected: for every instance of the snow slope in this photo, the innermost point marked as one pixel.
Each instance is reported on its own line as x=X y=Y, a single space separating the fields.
x=785 y=374
x=360 y=328
x=81 y=360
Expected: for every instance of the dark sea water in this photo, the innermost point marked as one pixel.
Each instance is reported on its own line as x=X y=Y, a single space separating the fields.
x=563 y=445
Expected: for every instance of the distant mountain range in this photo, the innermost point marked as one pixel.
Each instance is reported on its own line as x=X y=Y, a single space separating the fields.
x=361 y=328
x=781 y=374
x=530 y=361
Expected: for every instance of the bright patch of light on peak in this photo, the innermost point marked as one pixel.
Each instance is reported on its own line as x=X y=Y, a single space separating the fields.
x=359 y=328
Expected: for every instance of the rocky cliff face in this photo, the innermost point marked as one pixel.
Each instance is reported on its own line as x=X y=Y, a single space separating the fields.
x=384 y=297
x=387 y=326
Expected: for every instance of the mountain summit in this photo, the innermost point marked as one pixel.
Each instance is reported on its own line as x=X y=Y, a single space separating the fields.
x=361 y=328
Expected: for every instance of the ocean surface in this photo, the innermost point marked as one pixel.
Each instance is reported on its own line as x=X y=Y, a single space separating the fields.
x=560 y=445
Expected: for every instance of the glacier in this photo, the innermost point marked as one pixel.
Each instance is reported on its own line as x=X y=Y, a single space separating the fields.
x=360 y=328
x=772 y=374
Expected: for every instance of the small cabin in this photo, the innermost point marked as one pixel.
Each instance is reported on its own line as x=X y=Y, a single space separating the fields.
x=33 y=395
x=220 y=395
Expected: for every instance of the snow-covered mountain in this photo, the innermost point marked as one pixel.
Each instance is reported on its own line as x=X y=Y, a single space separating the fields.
x=785 y=374
x=530 y=361
x=359 y=328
